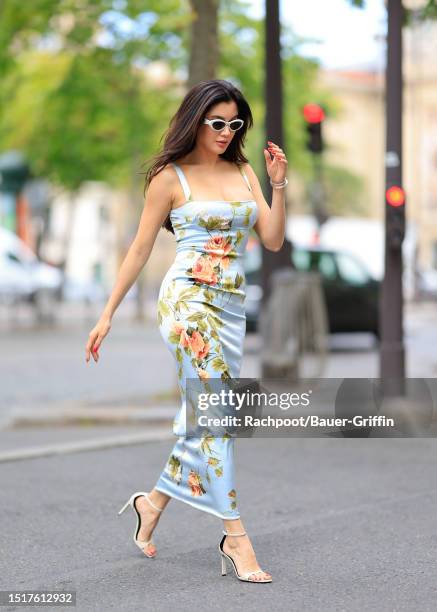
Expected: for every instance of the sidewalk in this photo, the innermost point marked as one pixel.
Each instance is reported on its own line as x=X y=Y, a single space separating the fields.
x=60 y=426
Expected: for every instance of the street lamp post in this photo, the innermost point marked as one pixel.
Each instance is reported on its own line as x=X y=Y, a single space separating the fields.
x=274 y=130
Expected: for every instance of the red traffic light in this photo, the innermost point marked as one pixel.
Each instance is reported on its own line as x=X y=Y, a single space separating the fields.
x=313 y=113
x=395 y=196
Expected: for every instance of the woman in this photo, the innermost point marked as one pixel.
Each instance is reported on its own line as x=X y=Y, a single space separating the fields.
x=196 y=192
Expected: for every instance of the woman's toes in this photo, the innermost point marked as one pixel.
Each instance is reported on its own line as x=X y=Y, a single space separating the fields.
x=150 y=550
x=262 y=576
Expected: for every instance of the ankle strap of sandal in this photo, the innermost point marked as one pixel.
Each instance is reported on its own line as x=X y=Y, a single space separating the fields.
x=234 y=534
x=152 y=504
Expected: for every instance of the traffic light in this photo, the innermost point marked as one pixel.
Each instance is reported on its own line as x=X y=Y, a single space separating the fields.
x=395 y=220
x=314 y=115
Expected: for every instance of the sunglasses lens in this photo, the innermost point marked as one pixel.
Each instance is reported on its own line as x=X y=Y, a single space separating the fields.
x=236 y=124
x=218 y=124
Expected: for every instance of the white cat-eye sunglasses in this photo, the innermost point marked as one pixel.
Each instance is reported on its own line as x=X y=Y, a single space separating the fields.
x=219 y=124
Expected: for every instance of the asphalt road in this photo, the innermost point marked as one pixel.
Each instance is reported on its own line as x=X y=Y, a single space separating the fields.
x=341 y=525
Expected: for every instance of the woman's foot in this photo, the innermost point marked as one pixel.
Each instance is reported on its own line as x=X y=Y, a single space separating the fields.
x=241 y=550
x=149 y=520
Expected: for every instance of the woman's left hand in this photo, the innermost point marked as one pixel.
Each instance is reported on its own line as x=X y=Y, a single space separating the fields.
x=276 y=167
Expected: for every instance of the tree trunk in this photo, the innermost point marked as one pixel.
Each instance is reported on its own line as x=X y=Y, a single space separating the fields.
x=204 y=41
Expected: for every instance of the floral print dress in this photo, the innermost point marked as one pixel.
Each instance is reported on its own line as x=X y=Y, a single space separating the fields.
x=201 y=317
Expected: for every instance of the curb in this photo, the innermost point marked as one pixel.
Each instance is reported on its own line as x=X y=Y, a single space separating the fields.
x=153 y=435
x=87 y=416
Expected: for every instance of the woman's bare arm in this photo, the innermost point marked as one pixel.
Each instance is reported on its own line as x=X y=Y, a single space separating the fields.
x=270 y=225
x=157 y=205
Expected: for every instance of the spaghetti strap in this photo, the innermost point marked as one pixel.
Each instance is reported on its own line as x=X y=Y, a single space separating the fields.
x=183 y=180
x=241 y=169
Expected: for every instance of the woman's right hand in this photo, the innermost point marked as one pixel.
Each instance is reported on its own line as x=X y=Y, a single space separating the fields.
x=96 y=336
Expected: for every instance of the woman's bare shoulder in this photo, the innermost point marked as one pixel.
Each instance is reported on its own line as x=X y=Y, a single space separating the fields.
x=164 y=184
x=166 y=177
x=165 y=174
x=245 y=166
x=249 y=170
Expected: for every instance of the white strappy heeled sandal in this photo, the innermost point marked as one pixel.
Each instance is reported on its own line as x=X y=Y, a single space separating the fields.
x=131 y=502
x=224 y=556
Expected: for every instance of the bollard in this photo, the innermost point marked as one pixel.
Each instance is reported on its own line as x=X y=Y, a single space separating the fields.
x=294 y=323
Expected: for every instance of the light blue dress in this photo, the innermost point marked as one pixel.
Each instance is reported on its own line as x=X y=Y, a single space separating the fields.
x=201 y=317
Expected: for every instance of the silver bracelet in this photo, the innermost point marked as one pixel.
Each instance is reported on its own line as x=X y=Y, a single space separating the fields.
x=284 y=182
x=279 y=185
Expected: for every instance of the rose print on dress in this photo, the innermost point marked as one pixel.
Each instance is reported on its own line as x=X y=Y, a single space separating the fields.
x=209 y=267
x=196 y=344
x=219 y=248
x=195 y=483
x=204 y=270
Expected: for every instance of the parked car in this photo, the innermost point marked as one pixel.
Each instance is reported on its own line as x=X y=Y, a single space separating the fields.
x=351 y=294
x=24 y=277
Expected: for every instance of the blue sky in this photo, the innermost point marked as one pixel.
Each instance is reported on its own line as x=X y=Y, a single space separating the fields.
x=347 y=34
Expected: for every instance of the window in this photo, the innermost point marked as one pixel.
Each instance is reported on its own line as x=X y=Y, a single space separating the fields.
x=351 y=269
x=301 y=259
x=327 y=266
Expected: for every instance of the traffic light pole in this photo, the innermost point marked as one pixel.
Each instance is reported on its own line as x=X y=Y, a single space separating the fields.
x=314 y=116
x=392 y=354
x=318 y=197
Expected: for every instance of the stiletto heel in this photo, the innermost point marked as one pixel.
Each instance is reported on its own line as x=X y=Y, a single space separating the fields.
x=224 y=556
x=125 y=506
x=131 y=502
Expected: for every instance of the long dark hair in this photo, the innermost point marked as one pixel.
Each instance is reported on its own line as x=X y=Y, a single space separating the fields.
x=180 y=137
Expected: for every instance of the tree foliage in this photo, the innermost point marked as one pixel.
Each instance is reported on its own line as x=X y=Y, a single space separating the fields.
x=75 y=98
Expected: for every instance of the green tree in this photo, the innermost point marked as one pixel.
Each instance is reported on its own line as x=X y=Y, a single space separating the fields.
x=74 y=95
x=82 y=109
